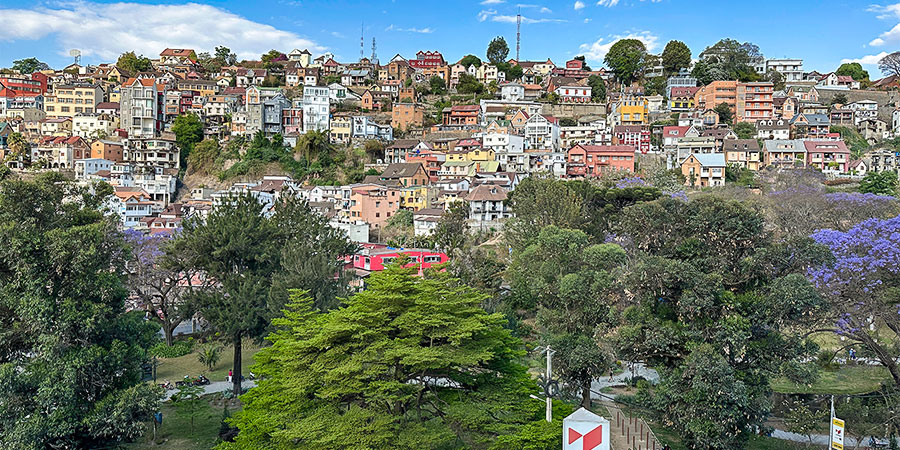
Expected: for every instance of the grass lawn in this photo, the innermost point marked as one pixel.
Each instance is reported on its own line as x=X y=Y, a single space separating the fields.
x=846 y=380
x=174 y=369
x=175 y=431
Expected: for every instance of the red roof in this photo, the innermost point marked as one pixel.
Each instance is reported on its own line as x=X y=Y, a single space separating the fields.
x=826 y=146
x=684 y=91
x=606 y=148
x=674 y=132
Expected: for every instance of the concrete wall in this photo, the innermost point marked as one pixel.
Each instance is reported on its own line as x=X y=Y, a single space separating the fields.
x=575 y=110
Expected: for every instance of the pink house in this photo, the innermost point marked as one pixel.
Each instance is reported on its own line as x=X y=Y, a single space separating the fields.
x=375 y=259
x=827 y=156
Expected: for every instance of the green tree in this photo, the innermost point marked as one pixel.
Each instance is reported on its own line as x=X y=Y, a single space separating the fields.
x=209 y=355
x=676 y=56
x=729 y=59
x=188 y=129
x=776 y=78
x=469 y=85
x=497 y=50
x=512 y=71
x=853 y=70
x=839 y=99
x=270 y=55
x=132 y=63
x=655 y=86
x=702 y=72
x=19 y=145
x=437 y=85
x=225 y=55
x=451 y=230
x=538 y=202
x=626 y=59
x=70 y=356
x=29 y=65
x=879 y=183
x=470 y=60
x=203 y=156
x=253 y=256
x=804 y=421
x=724 y=111
x=571 y=282
x=720 y=307
x=189 y=402
x=598 y=88
x=411 y=362
x=584 y=63
x=745 y=130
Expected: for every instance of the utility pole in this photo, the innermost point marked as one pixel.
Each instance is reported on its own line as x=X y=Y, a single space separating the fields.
x=831 y=424
x=550 y=353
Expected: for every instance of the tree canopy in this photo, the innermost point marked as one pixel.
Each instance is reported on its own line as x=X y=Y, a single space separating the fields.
x=132 y=63
x=626 y=59
x=497 y=50
x=470 y=60
x=70 y=356
x=409 y=363
x=728 y=59
x=853 y=70
x=29 y=65
x=676 y=56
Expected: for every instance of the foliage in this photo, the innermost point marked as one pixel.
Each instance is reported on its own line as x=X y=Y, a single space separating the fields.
x=70 y=356
x=271 y=55
x=538 y=202
x=745 y=130
x=626 y=59
x=571 y=282
x=804 y=421
x=175 y=350
x=254 y=256
x=879 y=183
x=655 y=86
x=188 y=402
x=719 y=306
x=724 y=111
x=512 y=71
x=188 y=129
x=853 y=70
x=203 y=157
x=776 y=78
x=469 y=85
x=497 y=50
x=132 y=63
x=855 y=142
x=728 y=60
x=450 y=232
x=438 y=85
x=470 y=60
x=29 y=65
x=584 y=63
x=861 y=284
x=225 y=56
x=598 y=88
x=445 y=376
x=676 y=56
x=209 y=355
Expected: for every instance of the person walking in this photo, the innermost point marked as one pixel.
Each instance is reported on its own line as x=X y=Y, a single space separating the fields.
x=230 y=374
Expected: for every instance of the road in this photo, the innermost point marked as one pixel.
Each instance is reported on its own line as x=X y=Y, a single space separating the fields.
x=216 y=386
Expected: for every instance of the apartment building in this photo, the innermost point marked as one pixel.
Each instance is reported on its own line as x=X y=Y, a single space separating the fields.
x=70 y=99
x=754 y=101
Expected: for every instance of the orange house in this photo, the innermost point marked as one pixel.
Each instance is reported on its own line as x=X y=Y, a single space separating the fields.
x=406 y=115
x=596 y=160
x=716 y=93
x=109 y=150
x=374 y=204
x=466 y=115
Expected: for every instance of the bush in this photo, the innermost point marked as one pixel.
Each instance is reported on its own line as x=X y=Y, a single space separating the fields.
x=179 y=348
x=825 y=360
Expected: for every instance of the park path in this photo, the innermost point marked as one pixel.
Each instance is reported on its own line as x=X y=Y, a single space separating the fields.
x=216 y=386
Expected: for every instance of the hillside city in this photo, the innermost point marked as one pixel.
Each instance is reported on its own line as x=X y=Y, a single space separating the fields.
x=699 y=247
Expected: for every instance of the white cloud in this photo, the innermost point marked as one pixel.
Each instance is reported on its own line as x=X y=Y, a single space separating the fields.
x=868 y=59
x=409 y=30
x=597 y=50
x=338 y=34
x=587 y=20
x=105 y=31
x=512 y=19
x=608 y=3
x=493 y=2
x=887 y=12
x=579 y=5
x=485 y=13
x=545 y=10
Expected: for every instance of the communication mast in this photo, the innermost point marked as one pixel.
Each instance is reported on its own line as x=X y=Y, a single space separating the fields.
x=374 y=56
x=75 y=53
x=362 y=41
x=518 y=33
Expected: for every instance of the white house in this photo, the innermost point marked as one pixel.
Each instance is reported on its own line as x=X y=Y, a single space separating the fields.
x=542 y=132
x=512 y=92
x=574 y=94
x=316 y=108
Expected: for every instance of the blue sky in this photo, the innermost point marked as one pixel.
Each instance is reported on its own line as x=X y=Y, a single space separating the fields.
x=822 y=32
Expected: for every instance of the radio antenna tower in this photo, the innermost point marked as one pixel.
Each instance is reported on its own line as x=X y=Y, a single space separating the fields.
x=374 y=56
x=362 y=41
x=518 y=33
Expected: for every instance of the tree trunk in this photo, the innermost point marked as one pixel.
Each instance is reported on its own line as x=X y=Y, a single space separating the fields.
x=586 y=393
x=168 y=331
x=236 y=377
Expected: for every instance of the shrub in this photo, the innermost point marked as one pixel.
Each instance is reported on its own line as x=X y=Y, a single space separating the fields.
x=179 y=348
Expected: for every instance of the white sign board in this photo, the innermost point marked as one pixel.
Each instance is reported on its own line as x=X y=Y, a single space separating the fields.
x=837 y=434
x=584 y=430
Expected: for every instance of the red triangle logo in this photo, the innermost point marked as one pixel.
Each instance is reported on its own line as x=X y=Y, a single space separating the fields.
x=573 y=435
x=593 y=439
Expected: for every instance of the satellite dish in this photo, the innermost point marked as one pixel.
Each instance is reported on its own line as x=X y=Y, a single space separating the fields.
x=75 y=52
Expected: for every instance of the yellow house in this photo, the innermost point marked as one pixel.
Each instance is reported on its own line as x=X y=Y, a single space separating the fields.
x=633 y=110
x=416 y=198
x=341 y=129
